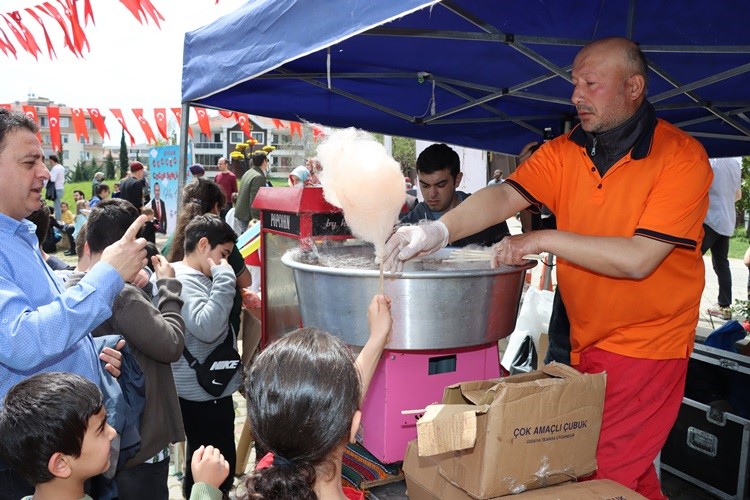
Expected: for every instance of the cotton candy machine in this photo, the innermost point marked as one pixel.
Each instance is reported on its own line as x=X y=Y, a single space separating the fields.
x=437 y=302
x=448 y=316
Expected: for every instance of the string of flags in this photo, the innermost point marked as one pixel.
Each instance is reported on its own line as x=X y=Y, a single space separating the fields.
x=71 y=21
x=78 y=120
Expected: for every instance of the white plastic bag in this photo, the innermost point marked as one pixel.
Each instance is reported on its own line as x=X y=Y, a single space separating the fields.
x=533 y=320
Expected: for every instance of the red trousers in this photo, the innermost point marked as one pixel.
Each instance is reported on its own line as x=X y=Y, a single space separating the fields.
x=641 y=403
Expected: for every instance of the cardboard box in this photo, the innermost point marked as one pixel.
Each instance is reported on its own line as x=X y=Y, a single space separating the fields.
x=424 y=482
x=497 y=437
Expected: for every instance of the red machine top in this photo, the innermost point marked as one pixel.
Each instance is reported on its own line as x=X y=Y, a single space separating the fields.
x=293 y=200
x=299 y=212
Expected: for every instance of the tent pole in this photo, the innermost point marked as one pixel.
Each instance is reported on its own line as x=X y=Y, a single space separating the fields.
x=182 y=168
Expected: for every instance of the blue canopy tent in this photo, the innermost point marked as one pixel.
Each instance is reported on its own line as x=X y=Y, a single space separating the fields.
x=484 y=74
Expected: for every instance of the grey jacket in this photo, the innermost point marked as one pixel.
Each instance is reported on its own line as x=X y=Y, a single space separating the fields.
x=207 y=303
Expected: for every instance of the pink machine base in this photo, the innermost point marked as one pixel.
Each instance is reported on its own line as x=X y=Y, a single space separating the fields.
x=408 y=380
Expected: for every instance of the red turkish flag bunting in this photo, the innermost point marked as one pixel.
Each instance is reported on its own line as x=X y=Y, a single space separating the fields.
x=178 y=114
x=295 y=127
x=53 y=113
x=5 y=44
x=145 y=7
x=161 y=121
x=244 y=123
x=50 y=48
x=227 y=114
x=51 y=11
x=88 y=13
x=317 y=132
x=278 y=123
x=79 y=124
x=6 y=106
x=203 y=121
x=98 y=120
x=79 y=37
x=121 y=120
x=150 y=137
x=26 y=39
x=30 y=111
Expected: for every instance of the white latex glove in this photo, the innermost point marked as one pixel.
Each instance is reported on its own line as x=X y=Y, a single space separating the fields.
x=413 y=241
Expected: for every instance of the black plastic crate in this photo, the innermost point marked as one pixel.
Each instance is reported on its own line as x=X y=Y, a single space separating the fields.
x=710 y=442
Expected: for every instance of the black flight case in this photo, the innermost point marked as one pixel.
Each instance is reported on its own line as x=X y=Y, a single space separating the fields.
x=709 y=444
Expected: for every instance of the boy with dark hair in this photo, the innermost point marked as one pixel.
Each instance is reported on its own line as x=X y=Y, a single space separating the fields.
x=155 y=337
x=208 y=288
x=439 y=174
x=55 y=433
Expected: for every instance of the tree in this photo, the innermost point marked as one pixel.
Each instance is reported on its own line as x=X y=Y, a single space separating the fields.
x=93 y=168
x=123 y=156
x=403 y=150
x=109 y=166
x=743 y=204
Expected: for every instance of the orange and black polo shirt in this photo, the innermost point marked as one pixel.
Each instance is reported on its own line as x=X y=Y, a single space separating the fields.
x=658 y=190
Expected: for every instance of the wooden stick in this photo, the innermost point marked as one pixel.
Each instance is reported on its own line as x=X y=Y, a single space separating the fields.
x=533 y=256
x=413 y=412
x=470 y=259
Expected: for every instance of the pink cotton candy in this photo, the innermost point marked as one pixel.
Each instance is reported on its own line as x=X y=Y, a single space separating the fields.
x=365 y=182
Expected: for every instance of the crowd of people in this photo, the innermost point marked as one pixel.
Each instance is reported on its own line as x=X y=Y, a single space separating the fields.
x=630 y=195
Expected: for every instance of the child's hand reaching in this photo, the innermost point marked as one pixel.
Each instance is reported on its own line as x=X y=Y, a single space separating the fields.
x=379 y=320
x=209 y=466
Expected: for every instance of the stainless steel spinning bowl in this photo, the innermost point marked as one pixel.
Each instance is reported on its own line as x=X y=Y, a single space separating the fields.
x=431 y=309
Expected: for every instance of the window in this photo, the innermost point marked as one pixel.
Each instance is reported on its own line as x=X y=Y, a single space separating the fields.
x=275 y=138
x=66 y=155
x=259 y=136
x=88 y=123
x=217 y=137
x=64 y=138
x=82 y=140
x=43 y=122
x=65 y=122
x=202 y=137
x=236 y=136
x=208 y=161
x=45 y=139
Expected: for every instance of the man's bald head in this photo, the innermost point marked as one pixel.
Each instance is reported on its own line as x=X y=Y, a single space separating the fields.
x=631 y=56
x=609 y=76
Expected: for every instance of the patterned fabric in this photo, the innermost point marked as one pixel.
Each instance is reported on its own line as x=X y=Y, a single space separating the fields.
x=360 y=467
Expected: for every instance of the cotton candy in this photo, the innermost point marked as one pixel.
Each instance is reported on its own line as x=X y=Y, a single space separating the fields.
x=360 y=178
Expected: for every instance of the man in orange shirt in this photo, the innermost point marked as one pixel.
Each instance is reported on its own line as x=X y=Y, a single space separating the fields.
x=630 y=193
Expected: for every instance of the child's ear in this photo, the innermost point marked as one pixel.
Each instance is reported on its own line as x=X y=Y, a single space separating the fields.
x=59 y=465
x=86 y=249
x=203 y=245
x=356 y=419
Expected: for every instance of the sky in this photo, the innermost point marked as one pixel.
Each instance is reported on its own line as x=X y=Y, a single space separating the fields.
x=129 y=65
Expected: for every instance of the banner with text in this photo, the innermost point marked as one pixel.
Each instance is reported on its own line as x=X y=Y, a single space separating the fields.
x=164 y=162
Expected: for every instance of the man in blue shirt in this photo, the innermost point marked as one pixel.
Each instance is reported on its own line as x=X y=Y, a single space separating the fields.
x=43 y=326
